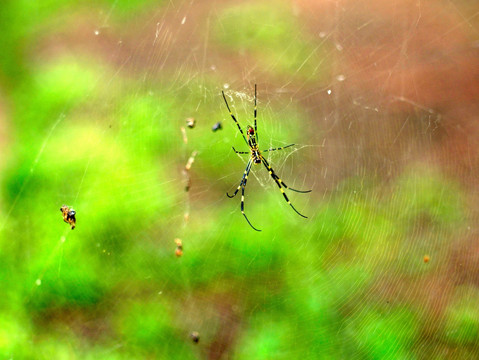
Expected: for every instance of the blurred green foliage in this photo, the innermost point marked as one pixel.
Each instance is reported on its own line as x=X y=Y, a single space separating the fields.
x=269 y=32
x=22 y=21
x=112 y=288
x=462 y=325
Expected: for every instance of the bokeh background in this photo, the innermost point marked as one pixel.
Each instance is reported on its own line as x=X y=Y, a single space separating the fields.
x=382 y=100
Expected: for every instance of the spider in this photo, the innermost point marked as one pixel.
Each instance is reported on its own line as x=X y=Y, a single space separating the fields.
x=256 y=158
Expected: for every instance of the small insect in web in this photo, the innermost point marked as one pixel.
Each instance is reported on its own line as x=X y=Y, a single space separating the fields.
x=69 y=215
x=195 y=336
x=217 y=126
x=256 y=157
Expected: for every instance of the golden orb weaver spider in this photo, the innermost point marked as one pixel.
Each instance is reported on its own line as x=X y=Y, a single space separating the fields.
x=257 y=158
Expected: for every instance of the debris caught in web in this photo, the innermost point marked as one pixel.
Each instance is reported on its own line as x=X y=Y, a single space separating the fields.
x=183 y=132
x=179 y=247
x=191 y=122
x=186 y=171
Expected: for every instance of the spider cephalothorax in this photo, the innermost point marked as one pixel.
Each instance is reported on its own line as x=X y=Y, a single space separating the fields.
x=251 y=140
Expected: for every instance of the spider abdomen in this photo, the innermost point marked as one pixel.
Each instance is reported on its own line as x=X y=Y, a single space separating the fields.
x=256 y=156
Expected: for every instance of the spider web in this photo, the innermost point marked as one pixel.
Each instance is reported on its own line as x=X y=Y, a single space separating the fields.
x=380 y=100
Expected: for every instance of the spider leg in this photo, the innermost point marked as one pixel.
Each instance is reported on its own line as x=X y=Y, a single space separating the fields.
x=242 y=185
x=236 y=121
x=241 y=152
x=279 y=183
x=245 y=175
x=280 y=148
x=242 y=199
x=298 y=191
